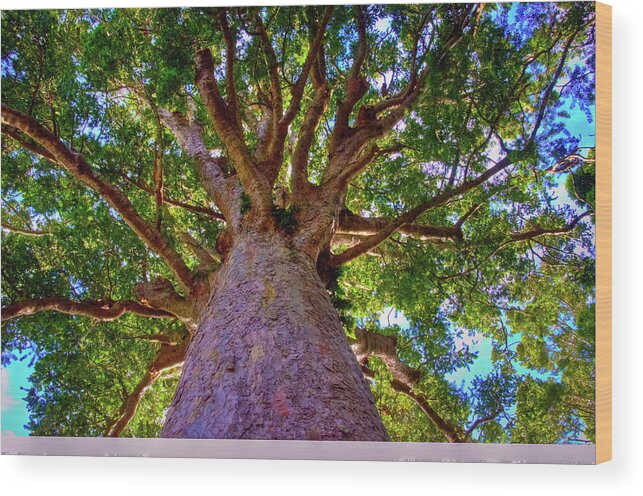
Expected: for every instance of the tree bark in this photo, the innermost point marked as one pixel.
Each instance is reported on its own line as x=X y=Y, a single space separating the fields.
x=269 y=359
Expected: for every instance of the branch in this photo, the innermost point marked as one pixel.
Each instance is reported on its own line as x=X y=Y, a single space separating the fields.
x=161 y=294
x=378 y=238
x=299 y=178
x=355 y=86
x=168 y=357
x=281 y=122
x=175 y=203
x=230 y=59
x=517 y=237
x=95 y=309
x=349 y=240
x=368 y=344
x=349 y=223
x=566 y=163
x=541 y=231
x=28 y=145
x=211 y=170
x=410 y=216
x=76 y=164
x=157 y=175
x=254 y=184
x=26 y=232
x=354 y=168
x=347 y=142
x=474 y=425
x=404 y=378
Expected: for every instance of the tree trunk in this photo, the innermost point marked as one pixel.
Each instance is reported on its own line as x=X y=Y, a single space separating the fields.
x=269 y=359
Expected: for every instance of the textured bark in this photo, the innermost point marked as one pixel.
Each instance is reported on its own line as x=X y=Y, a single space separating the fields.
x=269 y=359
x=161 y=295
x=385 y=348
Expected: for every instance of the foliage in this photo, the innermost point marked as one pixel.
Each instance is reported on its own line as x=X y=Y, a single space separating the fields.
x=286 y=218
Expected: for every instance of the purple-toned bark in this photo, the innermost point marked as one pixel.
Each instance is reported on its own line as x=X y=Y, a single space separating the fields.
x=269 y=359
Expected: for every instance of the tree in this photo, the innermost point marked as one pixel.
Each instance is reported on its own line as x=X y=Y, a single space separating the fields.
x=218 y=205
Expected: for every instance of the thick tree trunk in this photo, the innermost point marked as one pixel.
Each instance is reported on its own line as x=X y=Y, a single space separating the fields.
x=269 y=359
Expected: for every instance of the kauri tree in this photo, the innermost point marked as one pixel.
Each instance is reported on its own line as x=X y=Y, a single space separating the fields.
x=209 y=213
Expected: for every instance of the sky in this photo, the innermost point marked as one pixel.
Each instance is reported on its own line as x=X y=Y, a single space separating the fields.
x=13 y=407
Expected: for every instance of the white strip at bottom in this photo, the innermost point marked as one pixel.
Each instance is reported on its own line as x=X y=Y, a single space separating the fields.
x=300 y=450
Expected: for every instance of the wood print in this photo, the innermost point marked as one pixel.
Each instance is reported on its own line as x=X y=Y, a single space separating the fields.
x=369 y=223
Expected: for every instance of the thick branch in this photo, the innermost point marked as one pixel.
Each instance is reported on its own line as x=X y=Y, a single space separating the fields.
x=348 y=240
x=378 y=238
x=211 y=170
x=231 y=54
x=404 y=377
x=349 y=223
x=355 y=86
x=254 y=184
x=26 y=144
x=307 y=135
x=95 y=309
x=348 y=142
x=566 y=163
x=157 y=176
x=76 y=164
x=280 y=122
x=369 y=344
x=168 y=357
x=161 y=294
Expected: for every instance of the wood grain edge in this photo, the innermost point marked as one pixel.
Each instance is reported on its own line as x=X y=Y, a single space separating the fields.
x=603 y=232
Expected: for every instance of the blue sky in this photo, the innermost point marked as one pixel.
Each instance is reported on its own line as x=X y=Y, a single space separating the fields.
x=14 y=408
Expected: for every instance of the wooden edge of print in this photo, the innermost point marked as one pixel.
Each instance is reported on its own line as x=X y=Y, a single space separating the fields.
x=301 y=450
x=603 y=233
